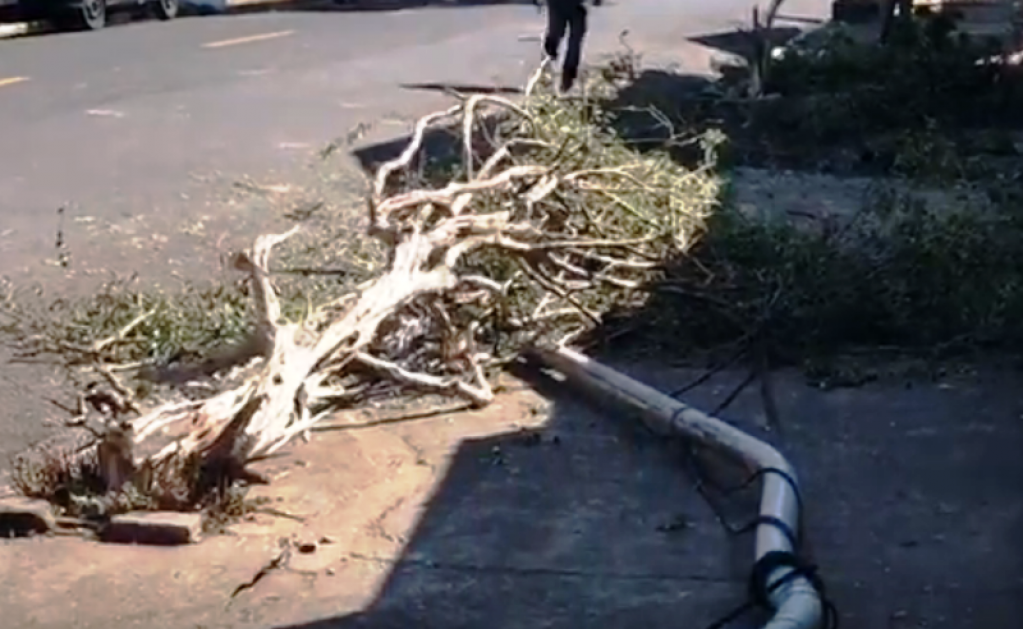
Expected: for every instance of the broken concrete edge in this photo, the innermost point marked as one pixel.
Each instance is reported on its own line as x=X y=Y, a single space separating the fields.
x=22 y=517
x=158 y=528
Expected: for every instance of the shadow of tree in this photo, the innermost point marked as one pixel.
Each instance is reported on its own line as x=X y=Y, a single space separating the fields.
x=587 y=522
x=592 y=522
x=741 y=43
x=643 y=112
x=650 y=111
x=463 y=88
x=442 y=146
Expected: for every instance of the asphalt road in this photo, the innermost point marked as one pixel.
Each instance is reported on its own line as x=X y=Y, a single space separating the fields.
x=127 y=126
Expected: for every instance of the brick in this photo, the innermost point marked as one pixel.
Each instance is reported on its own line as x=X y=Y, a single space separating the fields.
x=162 y=528
x=20 y=516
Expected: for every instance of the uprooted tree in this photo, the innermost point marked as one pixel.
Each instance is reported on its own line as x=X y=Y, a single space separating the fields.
x=549 y=222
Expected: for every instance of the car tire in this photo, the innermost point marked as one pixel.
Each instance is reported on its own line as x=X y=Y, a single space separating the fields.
x=166 y=9
x=92 y=14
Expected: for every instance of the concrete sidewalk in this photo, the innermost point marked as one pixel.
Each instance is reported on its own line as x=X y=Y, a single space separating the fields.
x=540 y=512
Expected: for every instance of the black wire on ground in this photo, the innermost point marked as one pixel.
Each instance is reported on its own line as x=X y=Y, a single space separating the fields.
x=759 y=590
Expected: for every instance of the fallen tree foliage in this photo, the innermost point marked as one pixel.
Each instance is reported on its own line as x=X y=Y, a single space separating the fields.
x=549 y=221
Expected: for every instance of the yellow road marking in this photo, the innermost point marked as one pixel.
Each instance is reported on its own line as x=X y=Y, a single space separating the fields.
x=245 y=40
x=12 y=80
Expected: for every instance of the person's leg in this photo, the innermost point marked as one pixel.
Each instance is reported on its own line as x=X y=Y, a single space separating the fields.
x=557 y=22
x=574 y=53
x=890 y=21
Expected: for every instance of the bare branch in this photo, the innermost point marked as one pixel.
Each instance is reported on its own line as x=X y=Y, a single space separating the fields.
x=552 y=286
x=256 y=262
x=446 y=196
x=390 y=167
x=469 y=121
x=615 y=262
x=128 y=398
x=505 y=152
x=603 y=277
x=99 y=346
x=481 y=395
x=534 y=78
x=483 y=282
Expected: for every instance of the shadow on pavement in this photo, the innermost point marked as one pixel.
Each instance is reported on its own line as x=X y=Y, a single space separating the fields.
x=463 y=89
x=799 y=19
x=675 y=97
x=666 y=91
x=589 y=522
x=441 y=142
x=913 y=512
x=741 y=43
x=438 y=143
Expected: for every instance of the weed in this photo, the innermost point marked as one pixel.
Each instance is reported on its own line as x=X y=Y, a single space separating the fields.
x=900 y=275
x=72 y=482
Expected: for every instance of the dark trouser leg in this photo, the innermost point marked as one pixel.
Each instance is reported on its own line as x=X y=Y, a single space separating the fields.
x=573 y=56
x=889 y=20
x=557 y=22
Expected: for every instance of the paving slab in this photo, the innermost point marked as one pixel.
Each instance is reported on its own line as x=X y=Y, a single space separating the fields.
x=161 y=528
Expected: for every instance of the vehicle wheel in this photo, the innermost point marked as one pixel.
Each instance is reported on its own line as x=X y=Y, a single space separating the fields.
x=166 y=9
x=93 y=14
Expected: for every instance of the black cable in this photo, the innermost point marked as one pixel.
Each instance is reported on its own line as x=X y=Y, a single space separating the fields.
x=759 y=592
x=731 y=529
x=758 y=589
x=777 y=523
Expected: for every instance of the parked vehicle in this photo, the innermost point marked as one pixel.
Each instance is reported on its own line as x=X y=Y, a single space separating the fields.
x=80 y=14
